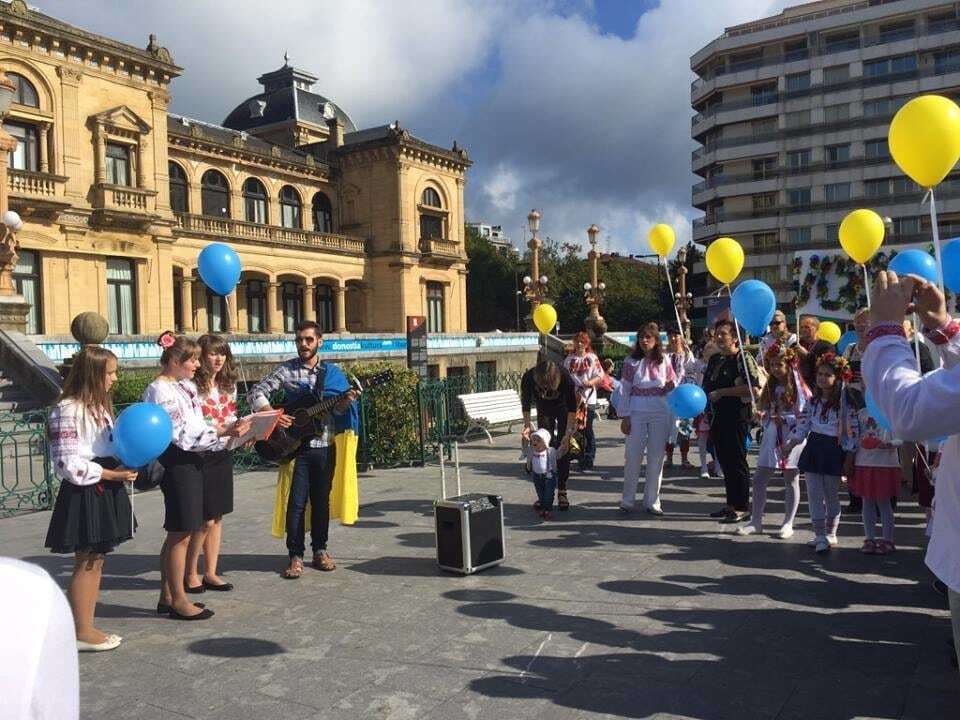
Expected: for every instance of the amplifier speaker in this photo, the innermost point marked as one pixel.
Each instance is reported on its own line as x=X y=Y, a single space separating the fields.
x=469 y=532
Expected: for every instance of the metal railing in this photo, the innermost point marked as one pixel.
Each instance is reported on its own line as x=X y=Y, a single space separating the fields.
x=231 y=228
x=785 y=171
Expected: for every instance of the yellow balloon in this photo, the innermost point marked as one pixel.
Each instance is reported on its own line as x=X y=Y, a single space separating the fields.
x=829 y=332
x=861 y=235
x=725 y=259
x=661 y=239
x=924 y=138
x=545 y=318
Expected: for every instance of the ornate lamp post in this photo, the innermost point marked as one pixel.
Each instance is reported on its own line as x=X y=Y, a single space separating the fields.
x=535 y=287
x=594 y=292
x=683 y=299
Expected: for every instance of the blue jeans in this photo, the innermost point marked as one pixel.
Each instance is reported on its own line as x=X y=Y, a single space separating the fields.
x=545 y=486
x=312 y=476
x=590 y=451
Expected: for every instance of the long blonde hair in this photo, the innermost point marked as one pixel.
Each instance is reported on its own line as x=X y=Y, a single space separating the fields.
x=86 y=382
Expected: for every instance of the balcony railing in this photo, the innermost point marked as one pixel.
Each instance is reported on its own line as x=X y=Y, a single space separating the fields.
x=827 y=49
x=288 y=237
x=783 y=171
x=122 y=199
x=440 y=246
x=35 y=184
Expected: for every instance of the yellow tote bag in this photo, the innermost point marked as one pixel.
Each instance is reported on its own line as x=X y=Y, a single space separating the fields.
x=344 y=493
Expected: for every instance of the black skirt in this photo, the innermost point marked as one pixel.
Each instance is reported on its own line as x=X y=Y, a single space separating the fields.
x=91 y=518
x=217 y=484
x=822 y=455
x=182 y=487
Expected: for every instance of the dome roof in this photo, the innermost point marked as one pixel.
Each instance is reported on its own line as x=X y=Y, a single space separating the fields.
x=286 y=96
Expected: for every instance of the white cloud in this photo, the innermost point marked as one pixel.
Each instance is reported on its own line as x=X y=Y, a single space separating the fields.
x=502 y=187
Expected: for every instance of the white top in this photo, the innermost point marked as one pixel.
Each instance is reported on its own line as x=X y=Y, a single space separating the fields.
x=219 y=408
x=643 y=387
x=693 y=371
x=771 y=445
x=683 y=363
x=871 y=452
x=76 y=438
x=816 y=419
x=582 y=370
x=919 y=408
x=39 y=677
x=544 y=462
x=182 y=403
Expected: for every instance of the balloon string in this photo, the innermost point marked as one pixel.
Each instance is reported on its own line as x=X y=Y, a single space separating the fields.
x=866 y=283
x=916 y=340
x=666 y=270
x=936 y=239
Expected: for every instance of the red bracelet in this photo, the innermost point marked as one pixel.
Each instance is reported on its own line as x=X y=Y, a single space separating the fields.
x=878 y=331
x=943 y=334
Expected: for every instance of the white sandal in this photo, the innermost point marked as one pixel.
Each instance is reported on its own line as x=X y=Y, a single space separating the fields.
x=111 y=643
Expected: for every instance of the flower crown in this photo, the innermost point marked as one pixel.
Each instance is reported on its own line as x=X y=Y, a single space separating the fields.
x=166 y=339
x=838 y=363
x=779 y=351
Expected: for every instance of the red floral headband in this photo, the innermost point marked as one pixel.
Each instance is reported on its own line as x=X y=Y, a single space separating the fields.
x=838 y=364
x=166 y=339
x=779 y=351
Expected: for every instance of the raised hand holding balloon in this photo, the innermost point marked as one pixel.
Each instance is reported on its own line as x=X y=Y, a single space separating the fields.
x=219 y=268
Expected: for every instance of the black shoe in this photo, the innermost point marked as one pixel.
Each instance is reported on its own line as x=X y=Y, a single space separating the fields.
x=165 y=609
x=204 y=614
x=195 y=590
x=734 y=516
x=940 y=587
x=226 y=587
x=722 y=512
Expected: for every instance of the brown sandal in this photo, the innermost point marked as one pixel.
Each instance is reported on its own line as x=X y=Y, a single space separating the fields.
x=563 y=503
x=294 y=570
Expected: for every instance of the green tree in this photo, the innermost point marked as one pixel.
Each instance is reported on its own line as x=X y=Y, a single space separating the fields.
x=491 y=286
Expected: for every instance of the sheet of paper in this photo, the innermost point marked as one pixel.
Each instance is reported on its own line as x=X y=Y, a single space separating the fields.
x=262 y=425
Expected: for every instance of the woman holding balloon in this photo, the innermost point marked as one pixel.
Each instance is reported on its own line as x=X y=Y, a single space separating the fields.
x=92 y=513
x=183 y=463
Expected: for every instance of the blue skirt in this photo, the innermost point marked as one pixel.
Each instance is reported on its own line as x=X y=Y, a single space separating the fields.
x=822 y=455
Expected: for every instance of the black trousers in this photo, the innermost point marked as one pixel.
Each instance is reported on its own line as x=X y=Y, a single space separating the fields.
x=312 y=476
x=557 y=425
x=729 y=437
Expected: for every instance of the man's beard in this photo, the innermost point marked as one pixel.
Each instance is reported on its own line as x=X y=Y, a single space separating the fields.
x=308 y=353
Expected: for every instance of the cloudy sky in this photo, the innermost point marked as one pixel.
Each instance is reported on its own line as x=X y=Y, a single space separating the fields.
x=580 y=108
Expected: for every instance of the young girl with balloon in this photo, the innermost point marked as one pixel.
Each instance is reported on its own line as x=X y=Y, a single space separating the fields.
x=830 y=426
x=646 y=379
x=216 y=385
x=782 y=400
x=876 y=481
x=683 y=362
x=183 y=463
x=92 y=513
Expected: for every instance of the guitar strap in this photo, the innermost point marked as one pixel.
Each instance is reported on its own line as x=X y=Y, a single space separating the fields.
x=318 y=391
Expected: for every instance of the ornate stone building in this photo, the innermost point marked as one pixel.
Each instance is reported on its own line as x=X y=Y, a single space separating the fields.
x=353 y=228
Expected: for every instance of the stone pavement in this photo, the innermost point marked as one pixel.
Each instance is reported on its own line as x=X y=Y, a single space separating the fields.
x=594 y=614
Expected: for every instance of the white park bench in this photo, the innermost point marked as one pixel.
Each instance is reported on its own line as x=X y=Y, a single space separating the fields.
x=490 y=409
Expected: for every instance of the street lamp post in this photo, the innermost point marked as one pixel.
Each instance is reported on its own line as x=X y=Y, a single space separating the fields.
x=683 y=299
x=594 y=292
x=535 y=284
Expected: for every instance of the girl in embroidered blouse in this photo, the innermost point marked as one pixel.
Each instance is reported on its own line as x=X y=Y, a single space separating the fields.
x=831 y=428
x=182 y=462
x=782 y=400
x=92 y=513
x=646 y=379
x=216 y=384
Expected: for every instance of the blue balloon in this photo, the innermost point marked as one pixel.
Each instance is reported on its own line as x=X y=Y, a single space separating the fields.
x=687 y=401
x=753 y=304
x=846 y=340
x=915 y=262
x=219 y=268
x=141 y=434
x=876 y=414
x=950 y=256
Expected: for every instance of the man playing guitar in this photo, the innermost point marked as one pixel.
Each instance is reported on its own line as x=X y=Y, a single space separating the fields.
x=315 y=461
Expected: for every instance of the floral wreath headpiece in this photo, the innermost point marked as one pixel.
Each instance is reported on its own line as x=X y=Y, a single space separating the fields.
x=839 y=364
x=779 y=351
x=166 y=339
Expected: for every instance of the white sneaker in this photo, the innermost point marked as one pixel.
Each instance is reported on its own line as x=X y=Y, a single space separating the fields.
x=749 y=529
x=821 y=545
x=832 y=539
x=111 y=643
x=785 y=533
x=704 y=475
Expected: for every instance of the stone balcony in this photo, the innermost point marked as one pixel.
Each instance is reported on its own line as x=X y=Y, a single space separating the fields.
x=35 y=193
x=120 y=205
x=440 y=249
x=230 y=229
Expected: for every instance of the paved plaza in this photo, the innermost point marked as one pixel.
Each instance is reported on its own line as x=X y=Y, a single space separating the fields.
x=594 y=614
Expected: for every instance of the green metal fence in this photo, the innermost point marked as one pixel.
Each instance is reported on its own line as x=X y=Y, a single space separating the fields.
x=26 y=482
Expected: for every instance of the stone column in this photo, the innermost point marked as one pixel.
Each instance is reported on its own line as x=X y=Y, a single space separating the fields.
x=230 y=321
x=44 y=150
x=186 y=303
x=100 y=161
x=340 y=309
x=274 y=324
x=309 y=306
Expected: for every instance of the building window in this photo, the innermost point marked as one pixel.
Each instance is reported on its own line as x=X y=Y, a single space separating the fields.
x=764 y=94
x=836 y=74
x=838 y=155
x=905 y=227
x=763 y=128
x=764 y=168
x=118 y=164
x=215 y=194
x=798 y=198
x=837 y=42
x=837 y=192
x=431 y=198
x=798 y=159
x=832 y=233
x=768 y=275
x=324 y=297
x=435 y=307
x=256 y=306
x=121 y=296
x=946 y=61
x=216 y=312
x=876 y=150
x=431 y=226
x=322 y=213
x=254 y=201
x=290 y=208
x=764 y=202
x=888 y=66
x=179 y=195
x=26 y=93
x=798 y=236
x=795 y=50
x=292 y=299
x=766 y=241
x=891 y=32
x=800 y=118
x=876 y=188
x=836 y=113
x=26 y=278
x=486 y=376
x=875 y=108
x=902 y=185
x=798 y=82
x=27 y=154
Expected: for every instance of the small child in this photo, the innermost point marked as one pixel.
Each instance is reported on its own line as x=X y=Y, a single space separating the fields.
x=543 y=468
x=876 y=479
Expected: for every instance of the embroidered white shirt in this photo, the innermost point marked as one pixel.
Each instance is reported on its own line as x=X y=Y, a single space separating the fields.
x=583 y=370
x=76 y=438
x=643 y=387
x=182 y=403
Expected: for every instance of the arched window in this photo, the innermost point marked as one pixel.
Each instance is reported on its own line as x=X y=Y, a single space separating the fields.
x=431 y=198
x=290 y=208
x=322 y=214
x=254 y=201
x=432 y=215
x=179 y=195
x=324 y=297
x=215 y=194
x=26 y=93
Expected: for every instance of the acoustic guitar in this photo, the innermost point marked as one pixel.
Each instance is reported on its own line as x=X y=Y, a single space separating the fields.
x=284 y=443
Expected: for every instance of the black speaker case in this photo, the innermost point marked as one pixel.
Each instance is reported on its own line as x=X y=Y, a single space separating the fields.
x=464 y=548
